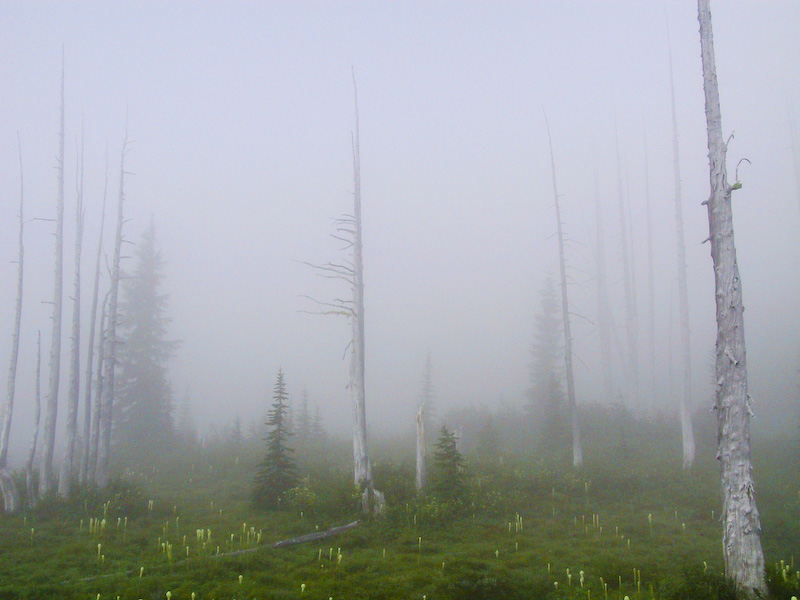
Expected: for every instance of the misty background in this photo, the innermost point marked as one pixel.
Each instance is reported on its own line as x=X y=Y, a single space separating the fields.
x=241 y=117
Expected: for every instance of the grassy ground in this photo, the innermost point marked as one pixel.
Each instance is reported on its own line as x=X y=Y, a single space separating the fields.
x=629 y=523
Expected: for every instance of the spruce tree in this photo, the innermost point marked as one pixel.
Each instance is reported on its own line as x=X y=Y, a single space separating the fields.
x=143 y=411
x=318 y=432
x=546 y=396
x=277 y=472
x=447 y=479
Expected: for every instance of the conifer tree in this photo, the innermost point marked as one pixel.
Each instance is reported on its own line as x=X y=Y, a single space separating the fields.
x=447 y=479
x=318 y=432
x=144 y=421
x=546 y=394
x=277 y=472
x=303 y=419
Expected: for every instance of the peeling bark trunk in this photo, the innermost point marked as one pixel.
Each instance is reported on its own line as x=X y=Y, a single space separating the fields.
x=687 y=431
x=46 y=476
x=65 y=479
x=29 y=478
x=8 y=409
x=107 y=408
x=741 y=542
x=88 y=414
x=577 y=448
x=422 y=452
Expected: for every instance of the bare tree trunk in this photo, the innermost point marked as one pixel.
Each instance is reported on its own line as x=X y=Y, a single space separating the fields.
x=65 y=479
x=651 y=285
x=98 y=393
x=741 y=541
x=577 y=449
x=46 y=475
x=422 y=451
x=604 y=317
x=361 y=465
x=8 y=409
x=107 y=409
x=88 y=430
x=795 y=154
x=687 y=431
x=632 y=371
x=29 y=481
x=7 y=485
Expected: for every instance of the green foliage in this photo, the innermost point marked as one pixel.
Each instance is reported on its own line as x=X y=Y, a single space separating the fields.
x=547 y=413
x=522 y=525
x=701 y=584
x=447 y=479
x=143 y=402
x=277 y=473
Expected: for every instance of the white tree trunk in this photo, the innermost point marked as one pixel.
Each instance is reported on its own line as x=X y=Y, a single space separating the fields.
x=651 y=285
x=362 y=469
x=422 y=451
x=687 y=431
x=632 y=370
x=604 y=317
x=46 y=474
x=88 y=414
x=65 y=478
x=795 y=155
x=8 y=408
x=91 y=468
x=107 y=408
x=577 y=448
x=29 y=480
x=741 y=542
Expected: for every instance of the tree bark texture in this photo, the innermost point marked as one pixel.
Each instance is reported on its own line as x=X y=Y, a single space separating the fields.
x=741 y=542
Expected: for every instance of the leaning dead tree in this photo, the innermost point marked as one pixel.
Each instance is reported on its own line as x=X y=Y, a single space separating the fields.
x=577 y=448
x=741 y=540
x=88 y=414
x=107 y=406
x=46 y=475
x=687 y=431
x=65 y=478
x=10 y=495
x=348 y=230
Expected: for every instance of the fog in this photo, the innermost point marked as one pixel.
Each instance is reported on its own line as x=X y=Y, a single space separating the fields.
x=241 y=117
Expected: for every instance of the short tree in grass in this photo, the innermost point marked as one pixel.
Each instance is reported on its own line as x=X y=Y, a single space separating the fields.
x=277 y=472
x=447 y=479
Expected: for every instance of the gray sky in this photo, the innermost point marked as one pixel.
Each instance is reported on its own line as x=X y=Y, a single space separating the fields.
x=241 y=115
